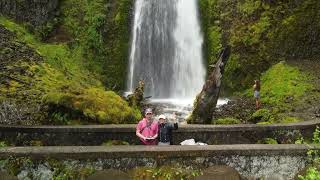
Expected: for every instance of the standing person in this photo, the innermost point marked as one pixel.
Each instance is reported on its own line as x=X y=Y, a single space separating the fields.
x=147 y=129
x=256 y=89
x=165 y=130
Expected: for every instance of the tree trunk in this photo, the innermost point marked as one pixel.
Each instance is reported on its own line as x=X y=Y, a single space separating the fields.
x=206 y=101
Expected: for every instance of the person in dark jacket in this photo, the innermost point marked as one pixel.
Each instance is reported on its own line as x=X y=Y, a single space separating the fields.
x=165 y=130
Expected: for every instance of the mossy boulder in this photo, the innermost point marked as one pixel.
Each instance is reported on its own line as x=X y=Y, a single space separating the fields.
x=95 y=105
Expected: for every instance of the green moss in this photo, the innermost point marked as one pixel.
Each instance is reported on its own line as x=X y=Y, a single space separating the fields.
x=264 y=123
x=267 y=141
x=287 y=119
x=226 y=121
x=283 y=83
x=96 y=105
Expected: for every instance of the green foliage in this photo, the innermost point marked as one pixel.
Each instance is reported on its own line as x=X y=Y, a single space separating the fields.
x=84 y=20
x=164 y=172
x=267 y=141
x=300 y=140
x=316 y=136
x=103 y=36
x=44 y=30
x=118 y=44
x=262 y=115
x=212 y=30
x=249 y=7
x=114 y=142
x=3 y=144
x=312 y=173
x=226 y=121
x=264 y=123
x=59 y=118
x=14 y=165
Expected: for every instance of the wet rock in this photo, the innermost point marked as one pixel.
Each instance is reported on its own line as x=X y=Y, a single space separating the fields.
x=220 y=173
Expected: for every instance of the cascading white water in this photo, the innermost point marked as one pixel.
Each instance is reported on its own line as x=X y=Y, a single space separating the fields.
x=190 y=74
x=166 y=50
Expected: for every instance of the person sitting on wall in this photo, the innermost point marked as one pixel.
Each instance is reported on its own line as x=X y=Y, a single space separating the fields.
x=165 y=130
x=147 y=129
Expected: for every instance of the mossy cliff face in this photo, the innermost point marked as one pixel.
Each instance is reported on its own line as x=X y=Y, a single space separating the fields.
x=101 y=28
x=60 y=79
x=260 y=33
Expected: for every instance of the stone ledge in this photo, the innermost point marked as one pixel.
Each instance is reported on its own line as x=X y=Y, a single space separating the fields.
x=95 y=152
x=95 y=135
x=182 y=128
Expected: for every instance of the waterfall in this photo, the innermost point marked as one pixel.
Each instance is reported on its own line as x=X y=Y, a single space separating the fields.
x=166 y=49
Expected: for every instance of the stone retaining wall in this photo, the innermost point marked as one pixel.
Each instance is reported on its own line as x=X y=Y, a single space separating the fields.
x=210 y=134
x=282 y=161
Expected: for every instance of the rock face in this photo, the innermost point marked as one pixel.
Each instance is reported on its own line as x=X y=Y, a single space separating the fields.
x=35 y=12
x=207 y=100
x=20 y=105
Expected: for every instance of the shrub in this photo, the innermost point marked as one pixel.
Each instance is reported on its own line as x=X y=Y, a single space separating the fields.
x=262 y=115
x=267 y=141
x=226 y=121
x=3 y=144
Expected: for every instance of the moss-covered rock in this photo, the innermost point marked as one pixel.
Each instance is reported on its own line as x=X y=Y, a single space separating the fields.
x=226 y=121
x=95 y=105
